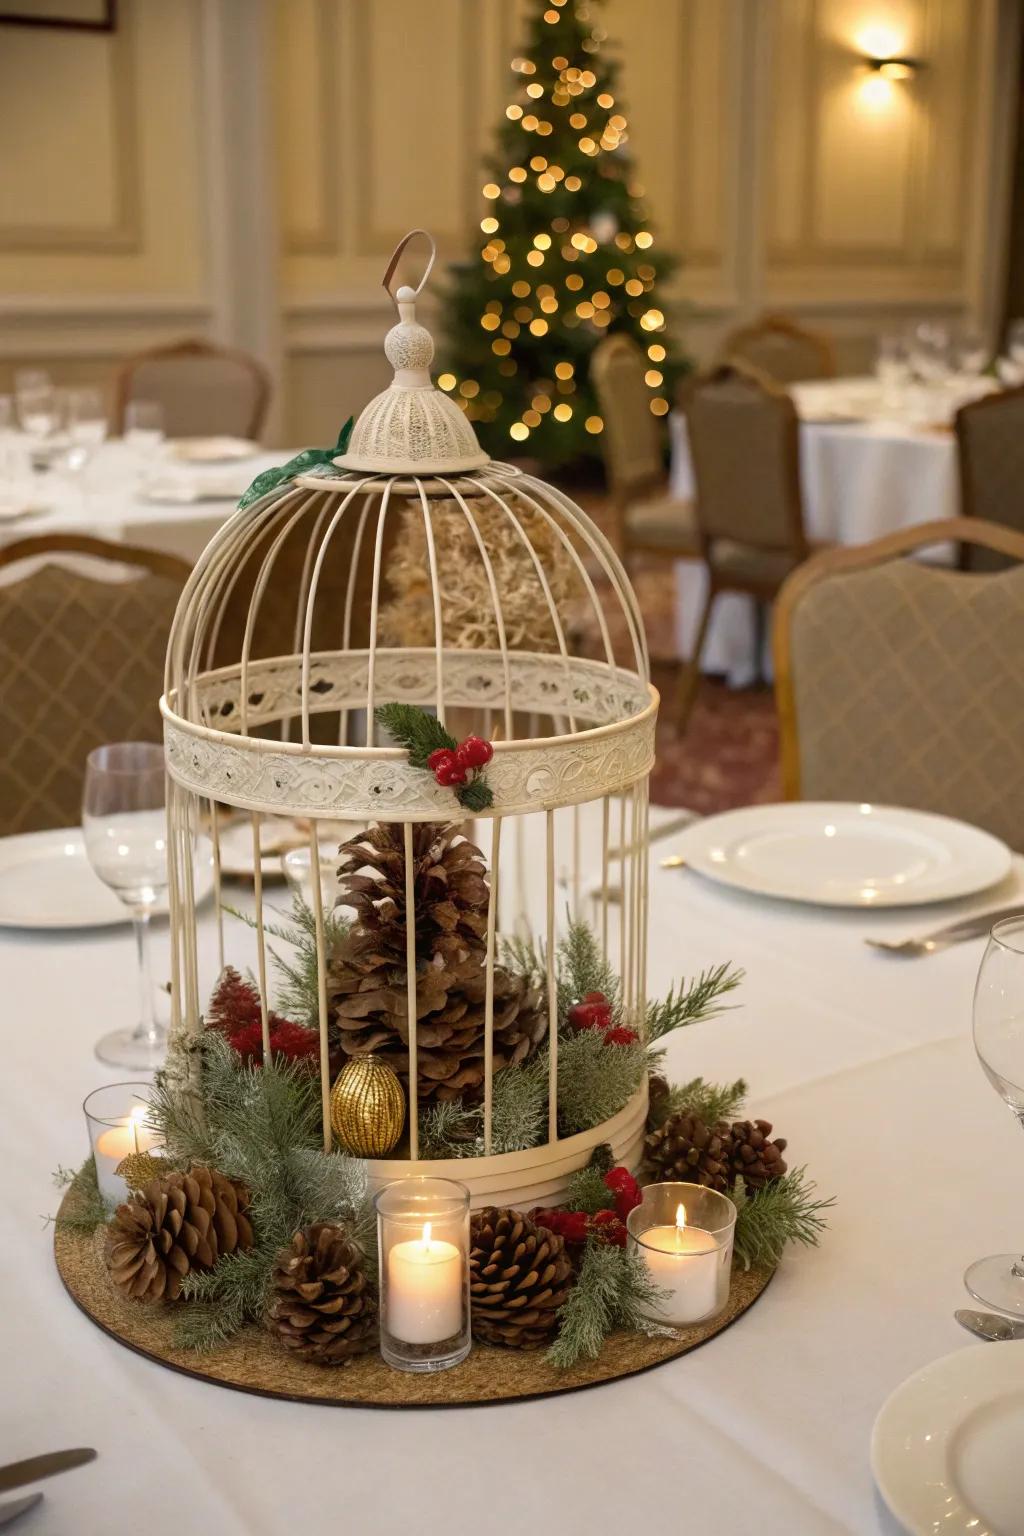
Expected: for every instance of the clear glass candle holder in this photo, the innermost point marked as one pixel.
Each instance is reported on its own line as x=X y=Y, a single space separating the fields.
x=684 y=1233
x=118 y=1122
x=423 y=1253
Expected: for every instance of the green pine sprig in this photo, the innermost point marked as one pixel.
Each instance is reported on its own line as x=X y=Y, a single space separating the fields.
x=710 y=1102
x=692 y=1002
x=613 y=1290
x=783 y=1211
x=421 y=734
x=84 y=1207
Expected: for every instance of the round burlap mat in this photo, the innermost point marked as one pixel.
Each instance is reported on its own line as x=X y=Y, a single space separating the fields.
x=253 y=1362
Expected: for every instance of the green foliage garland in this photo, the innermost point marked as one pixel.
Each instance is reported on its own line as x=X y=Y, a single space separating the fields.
x=260 y=1125
x=613 y=1290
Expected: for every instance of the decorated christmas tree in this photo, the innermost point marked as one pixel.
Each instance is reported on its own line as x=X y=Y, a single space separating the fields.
x=567 y=254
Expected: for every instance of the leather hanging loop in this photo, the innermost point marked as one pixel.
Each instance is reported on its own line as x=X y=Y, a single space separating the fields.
x=396 y=256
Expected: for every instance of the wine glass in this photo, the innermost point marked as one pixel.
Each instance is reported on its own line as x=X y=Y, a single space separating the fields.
x=125 y=824
x=892 y=366
x=970 y=351
x=998 y=1281
x=38 y=406
x=87 y=425
x=929 y=352
x=144 y=425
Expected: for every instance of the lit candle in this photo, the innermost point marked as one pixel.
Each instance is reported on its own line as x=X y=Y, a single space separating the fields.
x=132 y=1134
x=425 y=1290
x=685 y=1262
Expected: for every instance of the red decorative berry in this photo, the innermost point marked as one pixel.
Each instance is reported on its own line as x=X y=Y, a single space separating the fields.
x=438 y=756
x=626 y=1190
x=474 y=752
x=450 y=772
x=594 y=997
x=609 y=1227
x=590 y=1016
x=572 y=1225
x=621 y=1036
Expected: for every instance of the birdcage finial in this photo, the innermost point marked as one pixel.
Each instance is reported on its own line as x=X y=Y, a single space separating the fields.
x=411 y=428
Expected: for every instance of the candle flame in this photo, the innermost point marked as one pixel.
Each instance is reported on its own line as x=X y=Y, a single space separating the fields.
x=426 y=1234
x=680 y=1218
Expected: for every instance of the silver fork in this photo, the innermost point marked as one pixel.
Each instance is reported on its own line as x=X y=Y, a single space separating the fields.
x=954 y=933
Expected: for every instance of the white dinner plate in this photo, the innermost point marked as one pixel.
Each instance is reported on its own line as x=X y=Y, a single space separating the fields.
x=169 y=493
x=839 y=855
x=46 y=881
x=946 y=1447
x=212 y=450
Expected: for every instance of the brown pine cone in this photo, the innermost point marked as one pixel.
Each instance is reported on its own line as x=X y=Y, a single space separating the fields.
x=174 y=1224
x=754 y=1155
x=658 y=1090
x=686 y=1149
x=519 y=1275
x=367 y=975
x=323 y=1309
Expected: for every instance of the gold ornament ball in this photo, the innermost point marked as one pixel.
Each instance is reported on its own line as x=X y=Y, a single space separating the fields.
x=367 y=1107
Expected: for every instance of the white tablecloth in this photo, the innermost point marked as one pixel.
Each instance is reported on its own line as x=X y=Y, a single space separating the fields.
x=862 y=1061
x=109 y=501
x=860 y=479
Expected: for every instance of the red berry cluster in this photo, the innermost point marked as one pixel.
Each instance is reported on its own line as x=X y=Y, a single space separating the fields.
x=594 y=1011
x=453 y=766
x=609 y=1225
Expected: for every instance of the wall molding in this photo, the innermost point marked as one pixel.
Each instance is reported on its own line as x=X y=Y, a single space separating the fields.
x=97 y=326
x=123 y=235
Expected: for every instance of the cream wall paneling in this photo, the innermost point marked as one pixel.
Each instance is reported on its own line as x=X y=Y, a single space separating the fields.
x=868 y=183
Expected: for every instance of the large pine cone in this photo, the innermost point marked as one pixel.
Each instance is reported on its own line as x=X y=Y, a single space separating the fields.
x=755 y=1155
x=519 y=1275
x=323 y=1308
x=176 y=1223
x=686 y=1149
x=367 y=976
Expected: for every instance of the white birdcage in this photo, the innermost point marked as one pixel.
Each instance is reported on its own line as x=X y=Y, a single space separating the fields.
x=294 y=735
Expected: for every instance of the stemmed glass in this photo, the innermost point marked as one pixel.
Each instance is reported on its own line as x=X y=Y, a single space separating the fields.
x=38 y=405
x=998 y=1281
x=144 y=425
x=125 y=824
x=87 y=425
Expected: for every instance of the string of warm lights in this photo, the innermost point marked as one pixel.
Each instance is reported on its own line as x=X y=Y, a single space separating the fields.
x=558 y=277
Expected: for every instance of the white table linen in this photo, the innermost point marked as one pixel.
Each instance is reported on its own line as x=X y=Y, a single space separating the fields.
x=863 y=1061
x=108 y=500
x=860 y=479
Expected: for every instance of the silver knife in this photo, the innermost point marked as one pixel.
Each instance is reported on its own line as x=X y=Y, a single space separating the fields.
x=18 y=1507
x=35 y=1468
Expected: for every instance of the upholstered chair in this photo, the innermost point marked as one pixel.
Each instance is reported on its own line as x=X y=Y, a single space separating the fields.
x=990 y=452
x=83 y=631
x=782 y=350
x=899 y=681
x=204 y=390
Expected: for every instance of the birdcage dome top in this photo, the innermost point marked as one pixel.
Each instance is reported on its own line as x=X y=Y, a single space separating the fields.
x=411 y=427
x=479 y=594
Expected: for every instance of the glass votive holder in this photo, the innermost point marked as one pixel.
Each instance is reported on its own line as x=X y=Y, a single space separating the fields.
x=297 y=868
x=423 y=1253
x=684 y=1234
x=118 y=1122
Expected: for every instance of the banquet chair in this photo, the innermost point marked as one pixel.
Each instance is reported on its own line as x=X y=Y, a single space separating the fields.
x=83 y=631
x=744 y=443
x=204 y=390
x=782 y=350
x=647 y=519
x=990 y=456
x=899 y=681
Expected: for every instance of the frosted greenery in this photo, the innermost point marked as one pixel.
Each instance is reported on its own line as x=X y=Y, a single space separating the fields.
x=783 y=1211
x=613 y=1290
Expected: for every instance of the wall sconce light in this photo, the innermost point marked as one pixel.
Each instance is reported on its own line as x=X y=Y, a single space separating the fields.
x=894 y=69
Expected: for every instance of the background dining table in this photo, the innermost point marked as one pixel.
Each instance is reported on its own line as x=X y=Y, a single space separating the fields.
x=130 y=498
x=870 y=463
x=863 y=1061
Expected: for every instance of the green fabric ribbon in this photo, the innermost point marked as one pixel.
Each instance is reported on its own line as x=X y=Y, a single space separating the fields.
x=315 y=461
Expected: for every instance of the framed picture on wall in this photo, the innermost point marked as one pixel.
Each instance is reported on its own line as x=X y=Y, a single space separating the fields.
x=78 y=15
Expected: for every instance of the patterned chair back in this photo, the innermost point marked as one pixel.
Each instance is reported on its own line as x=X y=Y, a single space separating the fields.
x=81 y=663
x=744 y=442
x=204 y=390
x=782 y=350
x=632 y=441
x=900 y=682
x=990 y=447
